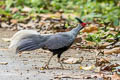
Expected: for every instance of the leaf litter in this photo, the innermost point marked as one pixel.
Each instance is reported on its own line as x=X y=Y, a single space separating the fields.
x=52 y=24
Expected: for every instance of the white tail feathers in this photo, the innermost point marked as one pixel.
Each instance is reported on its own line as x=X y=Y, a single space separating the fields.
x=20 y=35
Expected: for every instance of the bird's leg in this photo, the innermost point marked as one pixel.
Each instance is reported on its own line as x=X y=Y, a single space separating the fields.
x=59 y=61
x=46 y=66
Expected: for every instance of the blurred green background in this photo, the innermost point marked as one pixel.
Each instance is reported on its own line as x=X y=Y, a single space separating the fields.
x=105 y=10
x=105 y=13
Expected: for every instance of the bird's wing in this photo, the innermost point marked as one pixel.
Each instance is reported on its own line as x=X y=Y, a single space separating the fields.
x=31 y=43
x=59 y=41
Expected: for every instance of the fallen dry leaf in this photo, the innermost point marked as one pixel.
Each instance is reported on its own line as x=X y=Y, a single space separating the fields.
x=14 y=21
x=42 y=68
x=6 y=39
x=97 y=69
x=14 y=10
x=89 y=43
x=4 y=25
x=71 y=60
x=102 y=61
x=3 y=63
x=91 y=29
x=115 y=76
x=26 y=9
x=114 y=50
x=56 y=15
x=88 y=67
x=104 y=45
x=3 y=6
x=3 y=48
x=109 y=67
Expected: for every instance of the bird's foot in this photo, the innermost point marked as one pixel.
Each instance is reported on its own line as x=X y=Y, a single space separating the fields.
x=62 y=67
x=59 y=61
x=46 y=67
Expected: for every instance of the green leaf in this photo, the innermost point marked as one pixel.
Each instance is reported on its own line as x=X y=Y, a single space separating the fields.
x=2 y=3
x=3 y=12
x=116 y=22
x=8 y=3
x=93 y=38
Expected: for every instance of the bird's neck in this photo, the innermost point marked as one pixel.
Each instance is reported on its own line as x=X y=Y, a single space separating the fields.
x=75 y=31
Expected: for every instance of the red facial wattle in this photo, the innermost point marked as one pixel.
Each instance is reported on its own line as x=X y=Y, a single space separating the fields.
x=83 y=24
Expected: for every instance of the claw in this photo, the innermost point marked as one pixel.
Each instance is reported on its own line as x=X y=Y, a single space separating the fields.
x=46 y=67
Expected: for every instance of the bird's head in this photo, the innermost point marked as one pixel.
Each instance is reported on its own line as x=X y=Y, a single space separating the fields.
x=81 y=22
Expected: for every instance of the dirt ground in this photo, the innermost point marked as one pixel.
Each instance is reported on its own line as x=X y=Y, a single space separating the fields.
x=27 y=67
